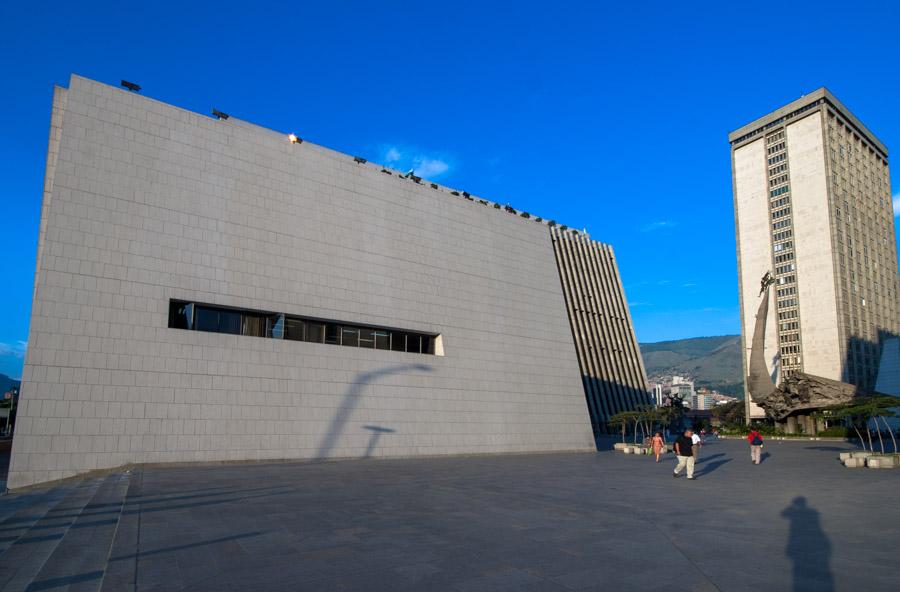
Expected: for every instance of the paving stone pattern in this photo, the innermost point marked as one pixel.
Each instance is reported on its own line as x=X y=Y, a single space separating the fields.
x=556 y=522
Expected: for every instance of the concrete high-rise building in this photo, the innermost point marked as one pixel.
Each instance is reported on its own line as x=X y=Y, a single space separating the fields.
x=812 y=205
x=657 y=391
x=210 y=290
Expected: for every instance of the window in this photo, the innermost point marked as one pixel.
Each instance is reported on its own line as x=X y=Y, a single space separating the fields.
x=367 y=338
x=294 y=329
x=332 y=334
x=398 y=341
x=275 y=327
x=382 y=339
x=181 y=315
x=350 y=336
x=217 y=319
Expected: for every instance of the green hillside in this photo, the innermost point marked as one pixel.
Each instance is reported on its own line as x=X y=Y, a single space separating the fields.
x=713 y=362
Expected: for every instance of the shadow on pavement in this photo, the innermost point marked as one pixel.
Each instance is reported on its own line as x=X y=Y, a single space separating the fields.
x=707 y=469
x=808 y=548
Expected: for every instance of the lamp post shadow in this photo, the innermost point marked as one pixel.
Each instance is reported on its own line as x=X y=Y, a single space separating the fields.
x=373 y=440
x=351 y=400
x=808 y=548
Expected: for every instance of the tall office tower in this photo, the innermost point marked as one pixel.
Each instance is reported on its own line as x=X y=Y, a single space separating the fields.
x=812 y=204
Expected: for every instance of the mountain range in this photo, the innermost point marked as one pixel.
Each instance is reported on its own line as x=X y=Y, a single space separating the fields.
x=6 y=383
x=712 y=362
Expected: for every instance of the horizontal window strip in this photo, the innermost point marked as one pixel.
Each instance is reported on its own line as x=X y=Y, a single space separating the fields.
x=195 y=316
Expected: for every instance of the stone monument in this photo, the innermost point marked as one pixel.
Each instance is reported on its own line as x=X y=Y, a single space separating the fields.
x=790 y=403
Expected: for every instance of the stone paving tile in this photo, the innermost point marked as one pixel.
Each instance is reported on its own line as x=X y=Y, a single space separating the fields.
x=532 y=522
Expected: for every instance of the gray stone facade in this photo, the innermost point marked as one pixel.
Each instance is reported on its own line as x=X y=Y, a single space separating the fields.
x=146 y=203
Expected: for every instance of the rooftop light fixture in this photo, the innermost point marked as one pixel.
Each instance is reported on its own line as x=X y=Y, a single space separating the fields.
x=434 y=186
x=131 y=86
x=454 y=193
x=385 y=171
x=295 y=139
x=359 y=160
x=219 y=115
x=466 y=194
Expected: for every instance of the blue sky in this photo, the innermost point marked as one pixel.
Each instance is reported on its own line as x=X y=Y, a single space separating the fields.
x=611 y=118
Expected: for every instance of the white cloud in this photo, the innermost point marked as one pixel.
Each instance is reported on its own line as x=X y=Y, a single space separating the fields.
x=659 y=225
x=430 y=167
x=896 y=204
x=405 y=158
x=15 y=349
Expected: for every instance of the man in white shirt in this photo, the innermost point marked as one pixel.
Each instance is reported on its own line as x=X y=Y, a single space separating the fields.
x=695 y=447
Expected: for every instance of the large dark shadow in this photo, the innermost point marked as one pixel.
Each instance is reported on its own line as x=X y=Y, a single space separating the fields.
x=351 y=400
x=606 y=398
x=709 y=468
x=65 y=582
x=808 y=548
x=177 y=548
x=710 y=457
x=764 y=457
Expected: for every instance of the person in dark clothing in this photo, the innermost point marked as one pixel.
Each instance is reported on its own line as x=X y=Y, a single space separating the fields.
x=684 y=451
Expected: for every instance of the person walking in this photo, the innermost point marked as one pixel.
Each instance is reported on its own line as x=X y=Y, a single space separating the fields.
x=657 y=443
x=695 y=445
x=756 y=444
x=685 y=453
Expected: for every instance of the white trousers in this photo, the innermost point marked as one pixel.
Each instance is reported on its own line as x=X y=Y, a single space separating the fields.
x=685 y=461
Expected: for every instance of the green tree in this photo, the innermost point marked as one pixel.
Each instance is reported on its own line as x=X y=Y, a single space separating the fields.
x=623 y=420
x=860 y=410
x=730 y=414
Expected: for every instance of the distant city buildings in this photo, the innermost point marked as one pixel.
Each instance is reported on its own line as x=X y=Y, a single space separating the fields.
x=812 y=200
x=702 y=400
x=665 y=388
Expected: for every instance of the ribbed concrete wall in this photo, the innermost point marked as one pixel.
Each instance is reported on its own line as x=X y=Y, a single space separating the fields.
x=612 y=369
x=146 y=203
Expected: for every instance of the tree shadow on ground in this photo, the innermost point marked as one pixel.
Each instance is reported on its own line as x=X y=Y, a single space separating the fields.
x=808 y=548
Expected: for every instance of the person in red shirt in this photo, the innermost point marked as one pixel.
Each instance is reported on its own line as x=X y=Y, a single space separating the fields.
x=756 y=444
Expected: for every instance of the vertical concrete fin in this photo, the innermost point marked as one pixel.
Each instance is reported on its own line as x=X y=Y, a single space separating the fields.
x=608 y=353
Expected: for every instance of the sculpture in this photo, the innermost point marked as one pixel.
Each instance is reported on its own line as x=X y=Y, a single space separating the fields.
x=799 y=392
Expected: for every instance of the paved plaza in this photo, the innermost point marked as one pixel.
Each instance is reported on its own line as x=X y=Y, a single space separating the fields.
x=553 y=522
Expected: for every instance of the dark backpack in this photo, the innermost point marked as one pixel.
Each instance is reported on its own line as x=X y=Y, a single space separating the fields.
x=756 y=441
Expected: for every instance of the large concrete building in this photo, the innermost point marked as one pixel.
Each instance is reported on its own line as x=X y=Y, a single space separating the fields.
x=812 y=205
x=210 y=290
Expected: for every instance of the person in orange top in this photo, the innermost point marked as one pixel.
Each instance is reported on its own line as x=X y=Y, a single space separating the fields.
x=657 y=443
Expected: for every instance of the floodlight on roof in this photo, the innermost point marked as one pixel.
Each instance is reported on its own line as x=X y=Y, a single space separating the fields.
x=359 y=160
x=131 y=86
x=295 y=139
x=219 y=115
